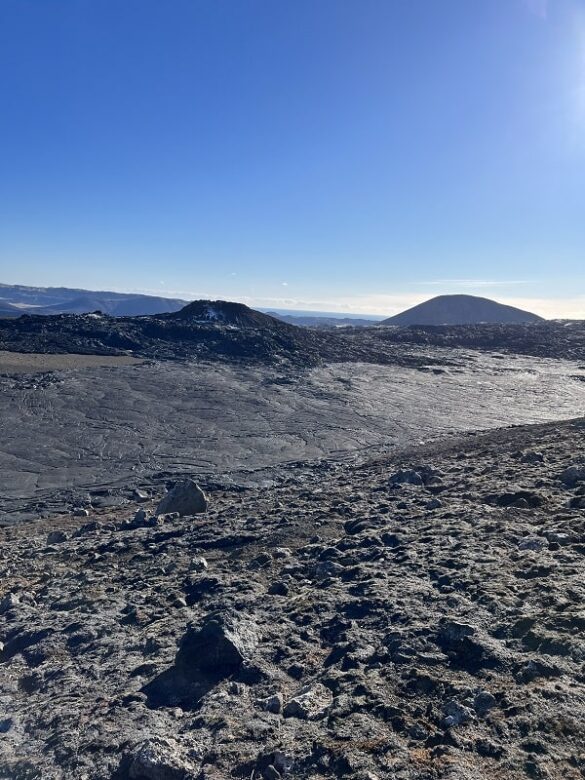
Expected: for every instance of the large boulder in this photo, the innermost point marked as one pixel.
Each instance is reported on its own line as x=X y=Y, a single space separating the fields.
x=520 y=499
x=218 y=647
x=185 y=498
x=419 y=475
x=573 y=474
x=406 y=477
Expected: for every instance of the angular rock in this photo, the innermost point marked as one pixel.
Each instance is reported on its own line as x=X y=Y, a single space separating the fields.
x=483 y=702
x=573 y=474
x=185 y=498
x=536 y=668
x=521 y=499
x=456 y=714
x=451 y=632
x=532 y=543
x=310 y=703
x=140 y=517
x=531 y=457
x=469 y=648
x=56 y=537
x=406 y=477
x=577 y=503
x=198 y=564
x=219 y=647
x=160 y=759
x=419 y=475
x=272 y=703
x=278 y=588
x=10 y=601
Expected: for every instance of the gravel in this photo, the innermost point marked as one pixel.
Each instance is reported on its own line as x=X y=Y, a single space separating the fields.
x=442 y=643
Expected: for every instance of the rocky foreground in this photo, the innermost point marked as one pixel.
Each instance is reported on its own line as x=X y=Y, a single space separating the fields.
x=419 y=617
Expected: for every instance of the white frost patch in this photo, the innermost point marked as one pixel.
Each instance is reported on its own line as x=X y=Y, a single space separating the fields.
x=211 y=315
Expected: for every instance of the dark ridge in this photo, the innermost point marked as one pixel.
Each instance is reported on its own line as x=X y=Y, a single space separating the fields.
x=9 y=310
x=323 y=321
x=546 y=338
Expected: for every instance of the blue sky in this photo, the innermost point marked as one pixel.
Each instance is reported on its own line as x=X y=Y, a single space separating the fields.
x=351 y=155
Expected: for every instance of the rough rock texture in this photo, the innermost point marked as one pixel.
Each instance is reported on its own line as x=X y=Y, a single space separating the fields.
x=161 y=759
x=344 y=624
x=222 y=331
x=219 y=646
x=88 y=438
x=219 y=331
x=541 y=339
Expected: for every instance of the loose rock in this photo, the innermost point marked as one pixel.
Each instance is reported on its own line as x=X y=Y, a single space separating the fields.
x=185 y=498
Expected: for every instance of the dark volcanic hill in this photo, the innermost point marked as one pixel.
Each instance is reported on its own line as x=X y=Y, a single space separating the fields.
x=460 y=310
x=226 y=313
x=203 y=330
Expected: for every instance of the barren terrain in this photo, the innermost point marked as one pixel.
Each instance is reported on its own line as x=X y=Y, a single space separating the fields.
x=38 y=363
x=420 y=616
x=386 y=580
x=72 y=437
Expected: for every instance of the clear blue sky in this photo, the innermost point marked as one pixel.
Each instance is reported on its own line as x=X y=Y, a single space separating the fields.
x=341 y=154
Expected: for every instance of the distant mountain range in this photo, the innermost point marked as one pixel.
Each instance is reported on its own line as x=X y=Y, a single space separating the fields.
x=16 y=300
x=323 y=320
x=461 y=310
x=19 y=299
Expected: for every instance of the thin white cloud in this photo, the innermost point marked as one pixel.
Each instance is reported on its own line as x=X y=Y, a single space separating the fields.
x=470 y=283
